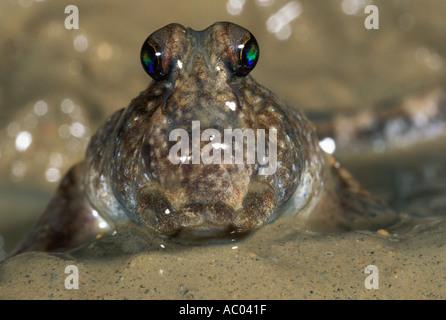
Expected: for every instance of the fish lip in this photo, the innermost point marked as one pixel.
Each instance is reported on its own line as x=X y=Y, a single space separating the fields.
x=215 y=219
x=197 y=218
x=207 y=234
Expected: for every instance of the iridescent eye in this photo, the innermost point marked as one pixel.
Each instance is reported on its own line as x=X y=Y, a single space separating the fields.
x=151 y=60
x=249 y=55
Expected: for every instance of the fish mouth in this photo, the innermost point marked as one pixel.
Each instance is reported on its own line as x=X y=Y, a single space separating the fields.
x=196 y=220
x=205 y=220
x=202 y=217
x=208 y=234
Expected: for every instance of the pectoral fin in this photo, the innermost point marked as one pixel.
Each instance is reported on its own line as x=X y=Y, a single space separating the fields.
x=346 y=205
x=68 y=221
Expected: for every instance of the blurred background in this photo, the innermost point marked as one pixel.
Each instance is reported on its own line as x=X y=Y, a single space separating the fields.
x=58 y=85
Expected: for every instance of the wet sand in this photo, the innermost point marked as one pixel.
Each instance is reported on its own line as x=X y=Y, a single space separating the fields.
x=329 y=61
x=299 y=266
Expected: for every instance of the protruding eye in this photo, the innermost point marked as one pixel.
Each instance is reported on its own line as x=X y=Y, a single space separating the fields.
x=249 y=55
x=151 y=60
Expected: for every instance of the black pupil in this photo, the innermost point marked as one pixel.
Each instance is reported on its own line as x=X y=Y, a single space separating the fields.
x=150 y=60
x=249 y=55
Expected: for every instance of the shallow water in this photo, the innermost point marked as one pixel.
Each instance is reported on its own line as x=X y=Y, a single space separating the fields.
x=59 y=85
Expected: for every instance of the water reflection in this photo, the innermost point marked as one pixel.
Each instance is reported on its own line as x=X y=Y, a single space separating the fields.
x=40 y=108
x=30 y=142
x=52 y=175
x=80 y=43
x=18 y=170
x=352 y=7
x=77 y=129
x=23 y=141
x=279 y=22
x=13 y=129
x=429 y=58
x=25 y=3
x=104 y=51
x=265 y=3
x=235 y=7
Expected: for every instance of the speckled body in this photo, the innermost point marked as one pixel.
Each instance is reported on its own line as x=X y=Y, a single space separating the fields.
x=129 y=181
x=131 y=151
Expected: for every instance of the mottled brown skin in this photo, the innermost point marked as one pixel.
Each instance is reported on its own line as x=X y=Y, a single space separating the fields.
x=129 y=180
